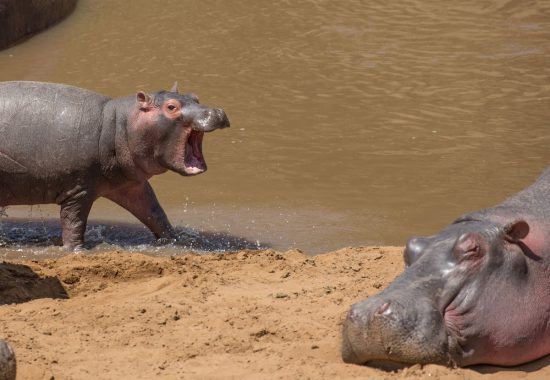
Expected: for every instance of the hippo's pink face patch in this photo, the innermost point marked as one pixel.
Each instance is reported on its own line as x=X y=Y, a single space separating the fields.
x=171 y=109
x=168 y=131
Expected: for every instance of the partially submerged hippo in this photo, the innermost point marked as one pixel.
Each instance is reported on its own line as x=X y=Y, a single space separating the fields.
x=21 y=19
x=476 y=292
x=7 y=361
x=66 y=145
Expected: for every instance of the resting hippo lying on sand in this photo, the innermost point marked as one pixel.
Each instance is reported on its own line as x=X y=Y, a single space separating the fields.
x=65 y=145
x=476 y=292
x=7 y=361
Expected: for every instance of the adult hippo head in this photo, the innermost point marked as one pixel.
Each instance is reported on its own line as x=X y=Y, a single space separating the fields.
x=477 y=292
x=168 y=129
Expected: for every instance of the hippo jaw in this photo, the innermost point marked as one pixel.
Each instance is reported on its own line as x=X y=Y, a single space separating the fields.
x=193 y=160
x=379 y=330
x=202 y=120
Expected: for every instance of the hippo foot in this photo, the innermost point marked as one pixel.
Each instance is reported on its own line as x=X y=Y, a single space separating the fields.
x=7 y=362
x=79 y=248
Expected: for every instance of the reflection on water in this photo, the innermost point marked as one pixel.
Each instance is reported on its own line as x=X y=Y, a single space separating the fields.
x=352 y=122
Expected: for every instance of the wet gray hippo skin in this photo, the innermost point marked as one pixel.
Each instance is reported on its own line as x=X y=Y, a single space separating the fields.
x=7 y=361
x=65 y=145
x=476 y=292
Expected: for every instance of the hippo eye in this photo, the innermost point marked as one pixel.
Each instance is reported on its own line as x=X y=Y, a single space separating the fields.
x=469 y=246
x=171 y=107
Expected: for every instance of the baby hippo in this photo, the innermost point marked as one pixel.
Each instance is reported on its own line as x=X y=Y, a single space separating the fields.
x=66 y=145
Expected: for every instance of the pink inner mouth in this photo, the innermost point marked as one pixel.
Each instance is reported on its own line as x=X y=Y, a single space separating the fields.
x=194 y=160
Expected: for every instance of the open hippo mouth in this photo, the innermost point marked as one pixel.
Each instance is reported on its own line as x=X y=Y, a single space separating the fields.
x=194 y=162
x=189 y=159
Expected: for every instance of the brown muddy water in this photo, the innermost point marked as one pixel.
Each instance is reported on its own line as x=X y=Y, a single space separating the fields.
x=353 y=122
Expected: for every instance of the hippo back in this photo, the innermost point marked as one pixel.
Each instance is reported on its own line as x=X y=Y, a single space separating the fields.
x=48 y=129
x=531 y=204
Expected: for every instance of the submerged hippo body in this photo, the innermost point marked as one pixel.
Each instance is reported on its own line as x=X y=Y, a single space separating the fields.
x=476 y=292
x=65 y=145
x=21 y=19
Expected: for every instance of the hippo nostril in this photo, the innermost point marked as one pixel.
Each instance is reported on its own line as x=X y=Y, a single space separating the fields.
x=224 y=121
x=382 y=309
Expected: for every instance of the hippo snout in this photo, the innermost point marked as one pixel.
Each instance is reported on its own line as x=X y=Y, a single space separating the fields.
x=348 y=354
x=222 y=117
x=211 y=119
x=385 y=329
x=351 y=335
x=365 y=326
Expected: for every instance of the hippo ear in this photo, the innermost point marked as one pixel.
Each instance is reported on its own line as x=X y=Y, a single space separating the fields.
x=516 y=231
x=144 y=101
x=193 y=96
x=174 y=87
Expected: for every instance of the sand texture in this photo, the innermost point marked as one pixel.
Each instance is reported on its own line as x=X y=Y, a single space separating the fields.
x=246 y=315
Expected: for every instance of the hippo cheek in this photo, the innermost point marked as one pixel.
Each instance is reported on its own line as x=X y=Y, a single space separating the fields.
x=378 y=330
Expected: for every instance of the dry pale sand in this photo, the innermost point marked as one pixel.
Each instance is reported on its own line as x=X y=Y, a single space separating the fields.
x=249 y=314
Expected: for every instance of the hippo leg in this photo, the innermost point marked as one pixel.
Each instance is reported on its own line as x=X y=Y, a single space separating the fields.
x=74 y=216
x=141 y=201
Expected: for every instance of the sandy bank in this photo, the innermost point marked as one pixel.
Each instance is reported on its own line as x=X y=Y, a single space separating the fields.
x=249 y=314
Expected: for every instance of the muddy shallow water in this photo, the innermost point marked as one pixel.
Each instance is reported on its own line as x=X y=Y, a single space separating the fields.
x=353 y=123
